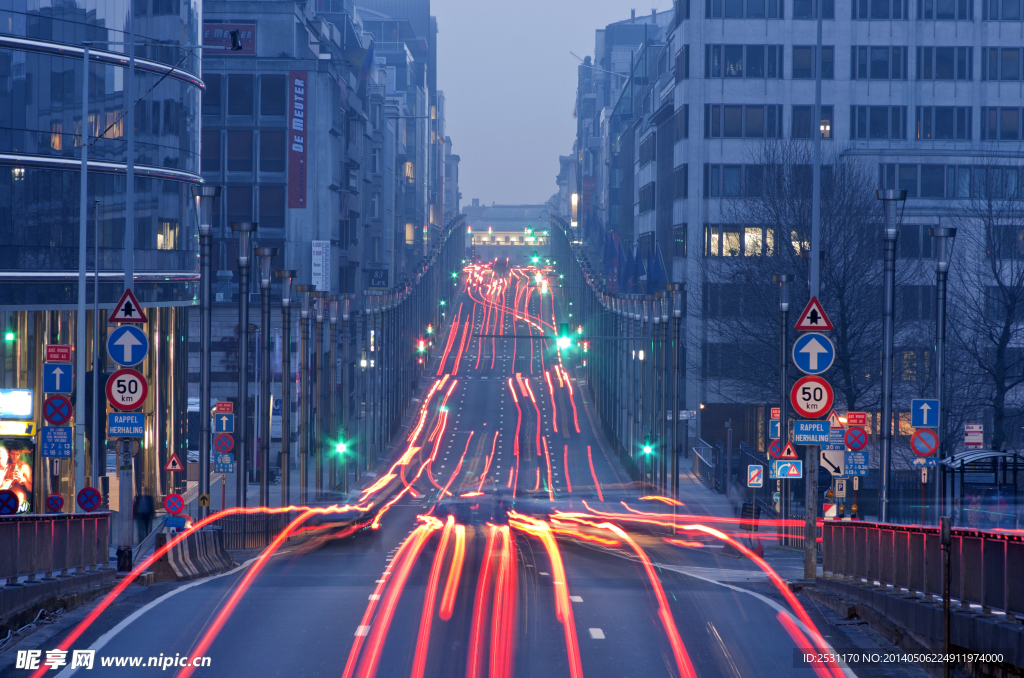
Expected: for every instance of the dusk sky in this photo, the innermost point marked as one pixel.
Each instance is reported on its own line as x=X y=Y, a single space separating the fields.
x=510 y=86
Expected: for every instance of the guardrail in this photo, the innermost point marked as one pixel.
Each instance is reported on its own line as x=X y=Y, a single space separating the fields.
x=253 y=530
x=53 y=544
x=985 y=567
x=704 y=466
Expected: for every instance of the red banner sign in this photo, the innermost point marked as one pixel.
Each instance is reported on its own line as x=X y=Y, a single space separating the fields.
x=298 y=124
x=58 y=353
x=219 y=35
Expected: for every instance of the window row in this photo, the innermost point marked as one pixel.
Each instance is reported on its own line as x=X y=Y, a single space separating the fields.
x=244 y=203
x=1000 y=124
x=927 y=10
x=750 y=181
x=737 y=240
x=952 y=181
x=239 y=89
x=945 y=63
x=743 y=61
x=945 y=10
x=878 y=122
x=878 y=63
x=1001 y=63
x=944 y=122
x=241 y=156
x=767 y=9
x=734 y=122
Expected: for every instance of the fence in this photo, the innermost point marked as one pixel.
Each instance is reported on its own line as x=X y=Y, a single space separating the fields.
x=984 y=570
x=53 y=544
x=704 y=465
x=253 y=530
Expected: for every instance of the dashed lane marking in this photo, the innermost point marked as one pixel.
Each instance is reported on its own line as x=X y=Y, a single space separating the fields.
x=596 y=634
x=363 y=630
x=576 y=599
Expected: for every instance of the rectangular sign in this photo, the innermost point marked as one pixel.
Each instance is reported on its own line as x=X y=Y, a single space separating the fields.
x=773 y=429
x=58 y=353
x=685 y=415
x=126 y=425
x=321 y=275
x=785 y=469
x=855 y=463
x=840 y=488
x=219 y=35
x=58 y=378
x=974 y=436
x=224 y=406
x=833 y=462
x=298 y=126
x=16 y=403
x=924 y=413
x=809 y=432
x=58 y=441
x=377 y=278
x=836 y=439
x=776 y=413
x=18 y=429
x=856 y=418
x=224 y=423
x=224 y=463
x=755 y=475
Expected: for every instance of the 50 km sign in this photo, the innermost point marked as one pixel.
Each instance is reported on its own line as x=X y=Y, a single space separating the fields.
x=127 y=389
x=811 y=396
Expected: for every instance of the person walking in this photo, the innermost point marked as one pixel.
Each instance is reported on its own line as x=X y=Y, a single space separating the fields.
x=144 y=511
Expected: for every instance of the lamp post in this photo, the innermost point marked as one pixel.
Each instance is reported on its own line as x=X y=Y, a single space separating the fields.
x=662 y=397
x=944 y=243
x=319 y=301
x=345 y=314
x=304 y=300
x=265 y=255
x=784 y=283
x=244 y=230
x=332 y=385
x=286 y=278
x=892 y=203
x=206 y=197
x=677 y=315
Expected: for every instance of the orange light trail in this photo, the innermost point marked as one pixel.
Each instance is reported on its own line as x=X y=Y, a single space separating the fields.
x=652 y=518
x=551 y=482
x=583 y=536
x=663 y=500
x=474 y=658
x=451 y=586
x=462 y=344
x=590 y=458
x=510 y=474
x=487 y=465
x=479 y=340
x=800 y=640
x=572 y=400
x=458 y=466
x=537 y=486
x=554 y=408
x=452 y=332
x=537 y=408
x=568 y=482
x=419 y=661
x=683 y=542
x=503 y=613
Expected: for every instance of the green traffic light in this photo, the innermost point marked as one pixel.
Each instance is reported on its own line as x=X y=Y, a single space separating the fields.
x=564 y=342
x=647 y=449
x=341 y=448
x=9 y=336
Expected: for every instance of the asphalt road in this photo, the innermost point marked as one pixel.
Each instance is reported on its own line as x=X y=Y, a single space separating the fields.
x=354 y=606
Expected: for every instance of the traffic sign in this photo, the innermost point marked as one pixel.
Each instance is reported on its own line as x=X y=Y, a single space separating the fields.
x=755 y=475
x=974 y=436
x=224 y=423
x=58 y=378
x=834 y=421
x=54 y=503
x=840 y=488
x=776 y=497
x=204 y=500
x=775 y=449
x=57 y=410
x=924 y=413
x=924 y=442
x=126 y=425
x=223 y=442
x=127 y=345
x=173 y=463
x=833 y=461
x=925 y=461
x=776 y=413
x=855 y=464
x=788 y=452
x=128 y=310
x=9 y=502
x=127 y=389
x=58 y=353
x=224 y=463
x=773 y=429
x=89 y=499
x=856 y=438
x=788 y=470
x=813 y=318
x=174 y=504
x=856 y=418
x=813 y=353
x=224 y=407
x=810 y=432
x=57 y=442
x=811 y=396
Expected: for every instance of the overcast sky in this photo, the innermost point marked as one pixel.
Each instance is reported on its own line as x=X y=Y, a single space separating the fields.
x=510 y=86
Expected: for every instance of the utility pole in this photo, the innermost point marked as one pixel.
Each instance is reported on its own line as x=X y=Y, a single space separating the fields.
x=83 y=245
x=332 y=389
x=784 y=281
x=319 y=301
x=287 y=383
x=345 y=314
x=206 y=197
x=244 y=230
x=944 y=243
x=266 y=256
x=304 y=299
x=678 y=290
x=815 y=273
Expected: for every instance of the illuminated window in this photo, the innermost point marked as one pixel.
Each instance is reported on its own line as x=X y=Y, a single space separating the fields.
x=57 y=136
x=410 y=234
x=113 y=126
x=410 y=172
x=909 y=366
x=167 y=235
x=753 y=240
x=904 y=427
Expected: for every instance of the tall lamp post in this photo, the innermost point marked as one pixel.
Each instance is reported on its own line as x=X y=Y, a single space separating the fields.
x=345 y=314
x=265 y=255
x=320 y=302
x=304 y=298
x=892 y=203
x=206 y=197
x=332 y=389
x=677 y=314
x=286 y=278
x=944 y=243
x=784 y=281
x=244 y=230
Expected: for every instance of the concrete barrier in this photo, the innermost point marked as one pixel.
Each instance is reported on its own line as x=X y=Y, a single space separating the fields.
x=198 y=555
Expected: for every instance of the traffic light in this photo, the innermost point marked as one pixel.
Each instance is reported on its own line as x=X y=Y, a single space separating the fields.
x=564 y=339
x=421 y=346
x=430 y=329
x=586 y=346
x=647 y=444
x=341 y=447
x=579 y=329
x=535 y=258
x=9 y=336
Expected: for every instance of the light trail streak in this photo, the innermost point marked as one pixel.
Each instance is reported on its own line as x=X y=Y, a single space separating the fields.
x=474 y=658
x=590 y=458
x=547 y=457
x=458 y=467
x=651 y=518
x=479 y=340
x=515 y=442
x=537 y=486
x=537 y=408
x=572 y=400
x=503 y=612
x=683 y=542
x=554 y=407
x=510 y=474
x=568 y=481
x=664 y=500
x=451 y=586
x=462 y=344
x=487 y=465
x=452 y=331
x=799 y=639
x=419 y=661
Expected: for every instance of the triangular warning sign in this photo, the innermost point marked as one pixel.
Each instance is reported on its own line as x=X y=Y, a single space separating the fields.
x=173 y=464
x=793 y=471
x=128 y=310
x=813 y=318
x=789 y=452
x=833 y=420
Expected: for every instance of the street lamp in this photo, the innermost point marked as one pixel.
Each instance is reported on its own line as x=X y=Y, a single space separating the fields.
x=944 y=243
x=286 y=278
x=784 y=280
x=893 y=202
x=677 y=315
x=206 y=197
x=266 y=256
x=304 y=301
x=345 y=315
x=319 y=302
x=244 y=230
x=332 y=383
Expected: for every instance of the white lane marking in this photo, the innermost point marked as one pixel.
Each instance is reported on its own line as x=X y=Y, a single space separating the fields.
x=576 y=599
x=544 y=574
x=374 y=596
x=362 y=630
x=597 y=634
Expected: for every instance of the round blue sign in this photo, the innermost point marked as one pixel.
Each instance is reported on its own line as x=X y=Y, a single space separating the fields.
x=813 y=353
x=127 y=345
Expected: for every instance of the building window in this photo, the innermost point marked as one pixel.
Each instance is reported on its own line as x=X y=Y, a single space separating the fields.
x=802 y=122
x=375 y=206
x=272 y=94
x=272 y=153
x=682 y=122
x=943 y=122
x=681 y=181
x=733 y=181
x=807 y=9
x=211 y=96
x=946 y=10
x=743 y=9
x=743 y=61
x=1000 y=10
x=878 y=122
x=999 y=63
x=683 y=63
x=878 y=63
x=1000 y=124
x=804 y=62
x=915 y=243
x=210 y=150
x=167 y=234
x=239 y=151
x=240 y=94
x=375 y=163
x=679 y=241
x=742 y=121
x=647 y=198
x=959 y=181
x=878 y=9
x=647 y=150
x=736 y=240
x=945 y=63
x=272 y=203
x=239 y=204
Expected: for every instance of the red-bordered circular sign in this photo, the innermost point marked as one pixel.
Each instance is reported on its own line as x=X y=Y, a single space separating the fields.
x=856 y=438
x=57 y=410
x=812 y=397
x=174 y=504
x=127 y=389
x=924 y=442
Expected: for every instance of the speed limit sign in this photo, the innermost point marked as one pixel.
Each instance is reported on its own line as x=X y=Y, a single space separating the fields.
x=811 y=397
x=127 y=389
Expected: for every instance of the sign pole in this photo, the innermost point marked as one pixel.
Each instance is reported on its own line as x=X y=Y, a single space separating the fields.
x=125 y=508
x=784 y=281
x=83 y=230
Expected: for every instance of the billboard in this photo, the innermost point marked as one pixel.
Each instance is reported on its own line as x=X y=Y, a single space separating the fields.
x=298 y=123
x=16 y=471
x=219 y=35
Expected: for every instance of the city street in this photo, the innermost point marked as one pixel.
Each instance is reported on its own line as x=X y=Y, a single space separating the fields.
x=390 y=602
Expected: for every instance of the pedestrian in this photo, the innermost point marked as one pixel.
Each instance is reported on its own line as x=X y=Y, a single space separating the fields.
x=144 y=511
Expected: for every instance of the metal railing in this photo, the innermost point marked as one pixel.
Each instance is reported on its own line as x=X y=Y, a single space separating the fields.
x=704 y=465
x=985 y=567
x=253 y=530
x=53 y=544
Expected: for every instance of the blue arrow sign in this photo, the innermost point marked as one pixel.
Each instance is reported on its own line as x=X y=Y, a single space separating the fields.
x=773 y=429
x=785 y=469
x=223 y=423
x=811 y=432
x=813 y=353
x=58 y=378
x=127 y=345
x=924 y=413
